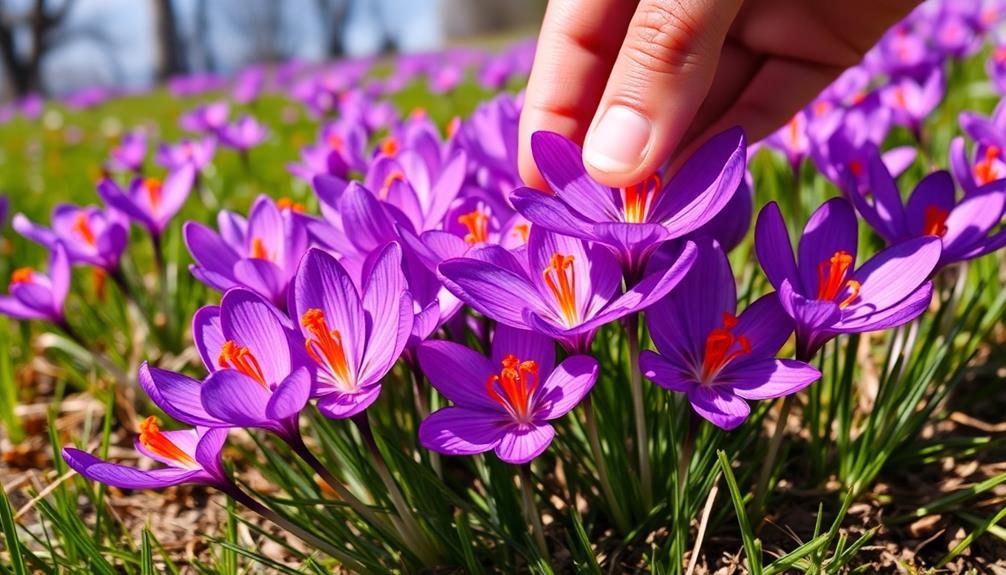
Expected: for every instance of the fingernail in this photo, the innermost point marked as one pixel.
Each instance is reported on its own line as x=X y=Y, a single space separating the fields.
x=617 y=143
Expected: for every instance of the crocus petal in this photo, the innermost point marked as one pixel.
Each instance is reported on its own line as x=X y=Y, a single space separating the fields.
x=703 y=185
x=235 y=398
x=768 y=378
x=290 y=396
x=665 y=373
x=208 y=335
x=971 y=220
x=520 y=444
x=493 y=291
x=212 y=279
x=250 y=321
x=207 y=454
x=59 y=275
x=561 y=164
x=766 y=325
x=830 y=229
x=322 y=283
x=775 y=253
x=174 y=192
x=935 y=190
x=383 y=306
x=885 y=213
x=11 y=307
x=563 y=390
x=459 y=373
x=265 y=225
x=461 y=431
x=551 y=213
x=809 y=314
x=114 y=197
x=720 y=407
x=126 y=477
x=363 y=213
x=892 y=274
x=208 y=249
x=177 y=395
x=35 y=296
x=339 y=405
x=961 y=166
x=262 y=277
x=900 y=313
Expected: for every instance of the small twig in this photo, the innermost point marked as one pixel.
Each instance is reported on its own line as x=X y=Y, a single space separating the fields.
x=42 y=494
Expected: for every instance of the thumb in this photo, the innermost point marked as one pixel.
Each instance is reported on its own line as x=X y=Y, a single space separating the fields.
x=661 y=76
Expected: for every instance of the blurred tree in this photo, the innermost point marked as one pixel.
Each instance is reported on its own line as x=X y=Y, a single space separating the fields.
x=27 y=35
x=171 y=57
x=334 y=13
x=262 y=24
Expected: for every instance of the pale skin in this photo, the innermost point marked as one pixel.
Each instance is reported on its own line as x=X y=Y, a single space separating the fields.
x=670 y=73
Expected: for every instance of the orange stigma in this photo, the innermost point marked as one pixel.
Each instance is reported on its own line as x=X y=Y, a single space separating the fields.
x=936 y=221
x=156 y=442
x=389 y=146
x=22 y=276
x=325 y=348
x=794 y=130
x=288 y=204
x=418 y=113
x=899 y=97
x=514 y=387
x=83 y=227
x=1000 y=55
x=335 y=142
x=856 y=167
x=258 y=250
x=393 y=177
x=858 y=98
x=453 y=126
x=477 y=223
x=831 y=278
x=524 y=230
x=638 y=199
x=722 y=347
x=241 y=359
x=560 y=277
x=153 y=187
x=822 y=107
x=986 y=170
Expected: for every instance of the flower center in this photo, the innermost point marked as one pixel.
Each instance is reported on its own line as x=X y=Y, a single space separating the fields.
x=453 y=126
x=524 y=230
x=418 y=113
x=514 y=387
x=154 y=441
x=153 y=187
x=794 y=131
x=83 y=227
x=258 y=250
x=831 y=278
x=560 y=277
x=1000 y=55
x=899 y=97
x=856 y=167
x=393 y=177
x=22 y=276
x=638 y=199
x=335 y=142
x=288 y=204
x=936 y=221
x=477 y=223
x=989 y=169
x=241 y=359
x=722 y=347
x=325 y=348
x=389 y=146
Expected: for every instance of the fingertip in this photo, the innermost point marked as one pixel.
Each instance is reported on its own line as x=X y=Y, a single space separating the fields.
x=618 y=145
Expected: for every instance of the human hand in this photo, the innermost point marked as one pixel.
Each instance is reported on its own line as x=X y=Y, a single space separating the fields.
x=640 y=82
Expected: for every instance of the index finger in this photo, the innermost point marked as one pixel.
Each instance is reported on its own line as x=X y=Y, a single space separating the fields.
x=577 y=46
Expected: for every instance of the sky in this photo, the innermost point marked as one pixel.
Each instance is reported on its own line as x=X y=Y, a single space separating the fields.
x=127 y=27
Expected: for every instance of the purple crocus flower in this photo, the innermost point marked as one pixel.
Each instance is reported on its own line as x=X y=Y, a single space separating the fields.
x=826 y=294
x=717 y=358
x=633 y=221
x=248 y=84
x=131 y=152
x=191 y=456
x=149 y=201
x=243 y=134
x=731 y=225
x=260 y=254
x=504 y=403
x=89 y=234
x=197 y=153
x=912 y=102
x=792 y=140
x=354 y=337
x=208 y=118
x=987 y=164
x=995 y=67
x=933 y=210
x=259 y=375
x=34 y=295
x=561 y=286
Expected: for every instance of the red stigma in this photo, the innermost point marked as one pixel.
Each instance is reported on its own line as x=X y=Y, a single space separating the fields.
x=986 y=170
x=936 y=221
x=153 y=187
x=241 y=359
x=154 y=441
x=831 y=278
x=258 y=250
x=722 y=347
x=637 y=199
x=514 y=387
